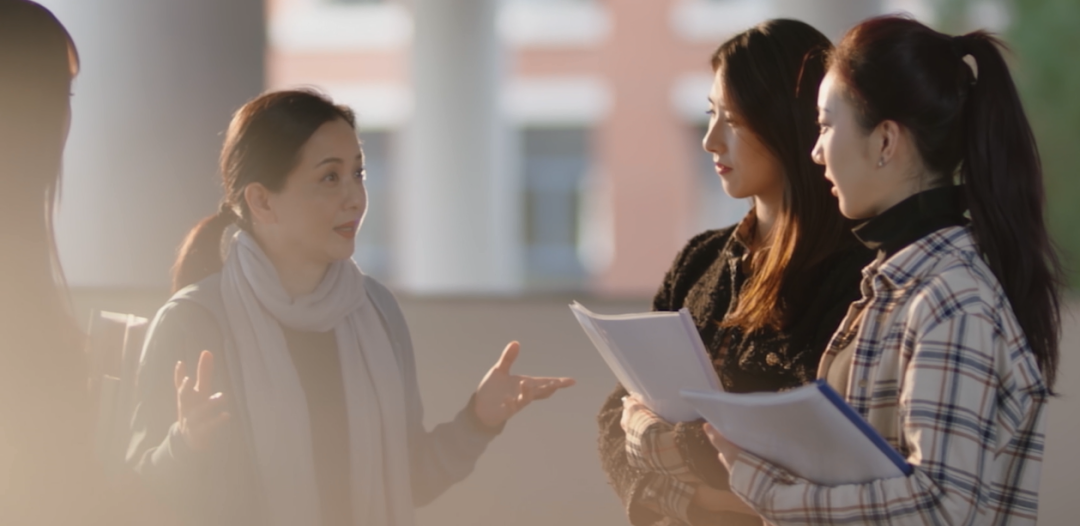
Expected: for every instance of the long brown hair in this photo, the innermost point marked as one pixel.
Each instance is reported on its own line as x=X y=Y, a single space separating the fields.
x=771 y=74
x=262 y=146
x=43 y=377
x=897 y=69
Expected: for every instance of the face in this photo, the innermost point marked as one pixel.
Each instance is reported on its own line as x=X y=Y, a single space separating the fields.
x=745 y=165
x=865 y=167
x=318 y=212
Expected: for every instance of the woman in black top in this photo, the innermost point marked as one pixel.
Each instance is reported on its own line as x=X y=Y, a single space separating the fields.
x=765 y=294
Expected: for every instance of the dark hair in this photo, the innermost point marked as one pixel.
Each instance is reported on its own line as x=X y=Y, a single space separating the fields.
x=261 y=146
x=771 y=74
x=42 y=351
x=896 y=69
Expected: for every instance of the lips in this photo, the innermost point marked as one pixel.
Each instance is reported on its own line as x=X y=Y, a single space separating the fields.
x=348 y=230
x=723 y=169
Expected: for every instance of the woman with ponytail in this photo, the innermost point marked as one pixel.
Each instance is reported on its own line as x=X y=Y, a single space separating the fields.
x=304 y=407
x=952 y=352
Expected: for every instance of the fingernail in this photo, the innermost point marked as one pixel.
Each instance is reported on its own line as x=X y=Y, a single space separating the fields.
x=217 y=395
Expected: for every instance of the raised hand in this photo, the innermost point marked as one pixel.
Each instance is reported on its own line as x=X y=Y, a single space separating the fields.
x=501 y=394
x=200 y=411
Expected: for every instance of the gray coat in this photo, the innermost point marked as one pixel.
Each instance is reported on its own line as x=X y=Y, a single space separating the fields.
x=219 y=487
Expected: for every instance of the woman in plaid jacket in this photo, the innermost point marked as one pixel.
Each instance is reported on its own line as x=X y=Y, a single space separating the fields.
x=952 y=351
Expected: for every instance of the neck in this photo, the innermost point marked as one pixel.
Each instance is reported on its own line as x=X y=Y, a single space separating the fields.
x=300 y=280
x=298 y=276
x=766 y=210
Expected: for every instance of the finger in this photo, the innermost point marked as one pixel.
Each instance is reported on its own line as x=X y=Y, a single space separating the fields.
x=509 y=354
x=710 y=431
x=544 y=390
x=184 y=395
x=179 y=373
x=564 y=381
x=204 y=375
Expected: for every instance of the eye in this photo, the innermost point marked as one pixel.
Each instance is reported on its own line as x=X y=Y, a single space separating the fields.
x=361 y=174
x=331 y=177
x=710 y=113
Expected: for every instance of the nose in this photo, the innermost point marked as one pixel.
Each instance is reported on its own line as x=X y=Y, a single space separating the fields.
x=713 y=142
x=818 y=153
x=356 y=196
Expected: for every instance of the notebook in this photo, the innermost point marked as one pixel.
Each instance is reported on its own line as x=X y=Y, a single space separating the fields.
x=654 y=355
x=810 y=431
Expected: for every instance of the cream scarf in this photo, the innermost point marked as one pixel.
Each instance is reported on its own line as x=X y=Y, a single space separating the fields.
x=257 y=305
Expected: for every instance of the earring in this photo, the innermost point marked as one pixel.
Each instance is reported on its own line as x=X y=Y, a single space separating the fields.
x=881 y=162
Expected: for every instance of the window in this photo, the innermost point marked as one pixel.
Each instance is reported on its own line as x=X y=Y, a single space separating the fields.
x=715 y=208
x=555 y=161
x=373 y=240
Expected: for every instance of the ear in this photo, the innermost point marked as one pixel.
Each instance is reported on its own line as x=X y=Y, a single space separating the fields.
x=886 y=140
x=257 y=198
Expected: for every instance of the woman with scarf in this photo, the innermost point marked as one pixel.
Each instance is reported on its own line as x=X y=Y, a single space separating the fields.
x=304 y=406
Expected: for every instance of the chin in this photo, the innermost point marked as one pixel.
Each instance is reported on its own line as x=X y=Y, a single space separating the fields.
x=851 y=212
x=341 y=252
x=733 y=190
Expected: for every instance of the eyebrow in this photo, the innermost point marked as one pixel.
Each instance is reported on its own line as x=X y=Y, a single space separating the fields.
x=337 y=160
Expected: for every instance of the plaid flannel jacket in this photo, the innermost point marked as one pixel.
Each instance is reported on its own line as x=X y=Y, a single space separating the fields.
x=942 y=370
x=650 y=447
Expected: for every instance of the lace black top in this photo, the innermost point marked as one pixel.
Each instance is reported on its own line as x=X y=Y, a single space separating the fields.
x=706 y=278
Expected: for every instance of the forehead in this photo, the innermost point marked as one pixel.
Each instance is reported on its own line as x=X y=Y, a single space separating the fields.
x=716 y=93
x=333 y=139
x=828 y=92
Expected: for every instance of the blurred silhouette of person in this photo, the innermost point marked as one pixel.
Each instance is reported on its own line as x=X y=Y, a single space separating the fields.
x=952 y=352
x=766 y=294
x=304 y=406
x=49 y=473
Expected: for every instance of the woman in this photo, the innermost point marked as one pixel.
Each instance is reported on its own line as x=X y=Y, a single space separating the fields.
x=917 y=128
x=48 y=470
x=765 y=294
x=304 y=408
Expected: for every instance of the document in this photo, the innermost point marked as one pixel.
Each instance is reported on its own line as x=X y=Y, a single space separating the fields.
x=810 y=431
x=654 y=355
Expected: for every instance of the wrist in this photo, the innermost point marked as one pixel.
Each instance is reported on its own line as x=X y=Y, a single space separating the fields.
x=479 y=423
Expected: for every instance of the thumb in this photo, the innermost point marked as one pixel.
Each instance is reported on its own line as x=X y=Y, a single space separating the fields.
x=509 y=355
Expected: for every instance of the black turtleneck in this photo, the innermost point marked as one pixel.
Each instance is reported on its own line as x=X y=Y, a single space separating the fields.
x=912 y=219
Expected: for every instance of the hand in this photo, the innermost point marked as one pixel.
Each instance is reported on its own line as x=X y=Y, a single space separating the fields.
x=716 y=500
x=636 y=413
x=729 y=452
x=199 y=413
x=501 y=394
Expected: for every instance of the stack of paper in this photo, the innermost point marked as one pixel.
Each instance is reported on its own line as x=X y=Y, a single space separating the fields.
x=810 y=431
x=654 y=355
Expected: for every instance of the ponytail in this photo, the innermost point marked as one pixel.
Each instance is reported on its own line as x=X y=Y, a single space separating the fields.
x=1003 y=183
x=200 y=254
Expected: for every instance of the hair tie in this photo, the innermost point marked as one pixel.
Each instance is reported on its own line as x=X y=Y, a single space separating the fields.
x=225 y=211
x=960 y=49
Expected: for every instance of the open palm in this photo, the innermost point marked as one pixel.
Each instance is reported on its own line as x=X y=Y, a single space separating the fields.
x=501 y=394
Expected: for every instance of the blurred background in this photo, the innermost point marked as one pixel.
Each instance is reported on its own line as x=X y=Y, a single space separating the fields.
x=520 y=154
